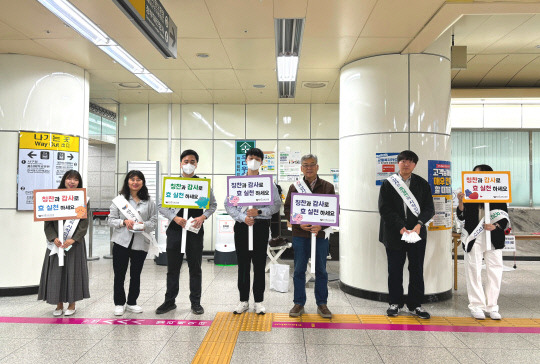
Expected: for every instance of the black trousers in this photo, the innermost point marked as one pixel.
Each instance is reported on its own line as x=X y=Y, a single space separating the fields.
x=396 y=260
x=257 y=256
x=121 y=259
x=194 y=249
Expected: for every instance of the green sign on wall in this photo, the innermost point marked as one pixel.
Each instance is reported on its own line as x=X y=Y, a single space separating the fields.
x=242 y=146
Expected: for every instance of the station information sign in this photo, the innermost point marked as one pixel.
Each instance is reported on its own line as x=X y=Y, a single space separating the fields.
x=153 y=20
x=43 y=160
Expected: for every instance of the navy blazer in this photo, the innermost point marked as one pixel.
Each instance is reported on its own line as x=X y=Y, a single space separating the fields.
x=392 y=213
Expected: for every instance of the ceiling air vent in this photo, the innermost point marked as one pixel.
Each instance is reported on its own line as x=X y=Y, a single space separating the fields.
x=314 y=84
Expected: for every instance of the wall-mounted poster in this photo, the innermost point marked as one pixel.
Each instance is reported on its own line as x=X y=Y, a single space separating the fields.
x=43 y=160
x=440 y=181
x=386 y=165
x=289 y=166
x=269 y=163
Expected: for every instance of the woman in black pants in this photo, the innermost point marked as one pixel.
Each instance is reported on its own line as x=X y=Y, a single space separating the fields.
x=133 y=217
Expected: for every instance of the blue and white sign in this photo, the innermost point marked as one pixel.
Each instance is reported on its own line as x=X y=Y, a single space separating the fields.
x=387 y=165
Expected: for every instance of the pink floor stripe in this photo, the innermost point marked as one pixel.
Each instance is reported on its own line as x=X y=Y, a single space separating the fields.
x=387 y=327
x=305 y=325
x=102 y=321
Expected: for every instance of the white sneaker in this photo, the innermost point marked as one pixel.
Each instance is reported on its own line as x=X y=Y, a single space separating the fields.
x=57 y=313
x=259 y=308
x=494 y=315
x=478 y=314
x=119 y=310
x=242 y=307
x=134 y=308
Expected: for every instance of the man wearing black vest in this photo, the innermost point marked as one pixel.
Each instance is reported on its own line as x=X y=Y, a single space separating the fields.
x=194 y=243
x=398 y=219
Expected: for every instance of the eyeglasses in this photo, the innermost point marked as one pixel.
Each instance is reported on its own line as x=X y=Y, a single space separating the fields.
x=309 y=165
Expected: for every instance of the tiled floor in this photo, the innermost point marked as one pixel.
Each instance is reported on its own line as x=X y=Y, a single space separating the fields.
x=50 y=343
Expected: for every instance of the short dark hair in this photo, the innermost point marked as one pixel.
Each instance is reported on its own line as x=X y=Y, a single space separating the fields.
x=407 y=155
x=189 y=152
x=256 y=152
x=483 y=168
x=70 y=174
x=143 y=192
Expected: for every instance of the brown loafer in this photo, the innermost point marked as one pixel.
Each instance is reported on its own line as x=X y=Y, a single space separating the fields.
x=296 y=311
x=324 y=311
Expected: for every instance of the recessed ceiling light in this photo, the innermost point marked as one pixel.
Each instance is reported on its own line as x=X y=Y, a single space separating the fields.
x=203 y=55
x=259 y=86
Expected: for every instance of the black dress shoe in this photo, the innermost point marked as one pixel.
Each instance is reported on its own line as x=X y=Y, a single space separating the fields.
x=197 y=309
x=165 y=307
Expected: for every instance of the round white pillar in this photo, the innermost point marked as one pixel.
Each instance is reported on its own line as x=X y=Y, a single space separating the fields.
x=389 y=103
x=37 y=94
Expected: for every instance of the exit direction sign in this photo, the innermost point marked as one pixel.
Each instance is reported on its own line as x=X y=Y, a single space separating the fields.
x=154 y=22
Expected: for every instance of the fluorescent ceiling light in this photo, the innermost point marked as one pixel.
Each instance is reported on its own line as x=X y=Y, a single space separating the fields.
x=153 y=82
x=120 y=55
x=73 y=17
x=288 y=33
x=287 y=66
x=78 y=21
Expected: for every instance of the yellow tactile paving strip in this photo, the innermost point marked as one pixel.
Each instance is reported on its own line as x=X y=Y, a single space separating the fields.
x=220 y=340
x=409 y=320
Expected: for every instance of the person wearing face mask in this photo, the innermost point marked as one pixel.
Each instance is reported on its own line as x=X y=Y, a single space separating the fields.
x=258 y=217
x=70 y=282
x=194 y=243
x=132 y=212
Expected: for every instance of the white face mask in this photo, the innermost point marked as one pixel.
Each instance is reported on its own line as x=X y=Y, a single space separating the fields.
x=188 y=168
x=253 y=164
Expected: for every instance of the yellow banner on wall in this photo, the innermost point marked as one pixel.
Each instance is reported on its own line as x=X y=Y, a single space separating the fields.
x=48 y=141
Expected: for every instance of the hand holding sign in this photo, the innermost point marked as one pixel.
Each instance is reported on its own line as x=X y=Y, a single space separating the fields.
x=252 y=212
x=180 y=221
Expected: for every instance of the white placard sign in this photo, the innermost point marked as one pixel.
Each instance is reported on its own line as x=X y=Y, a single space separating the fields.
x=250 y=190
x=314 y=209
x=187 y=193
x=59 y=204
x=486 y=186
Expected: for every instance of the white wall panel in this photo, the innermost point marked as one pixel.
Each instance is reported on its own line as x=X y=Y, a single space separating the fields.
x=133 y=121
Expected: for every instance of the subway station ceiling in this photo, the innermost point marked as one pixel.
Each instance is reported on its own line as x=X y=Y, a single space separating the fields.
x=503 y=40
